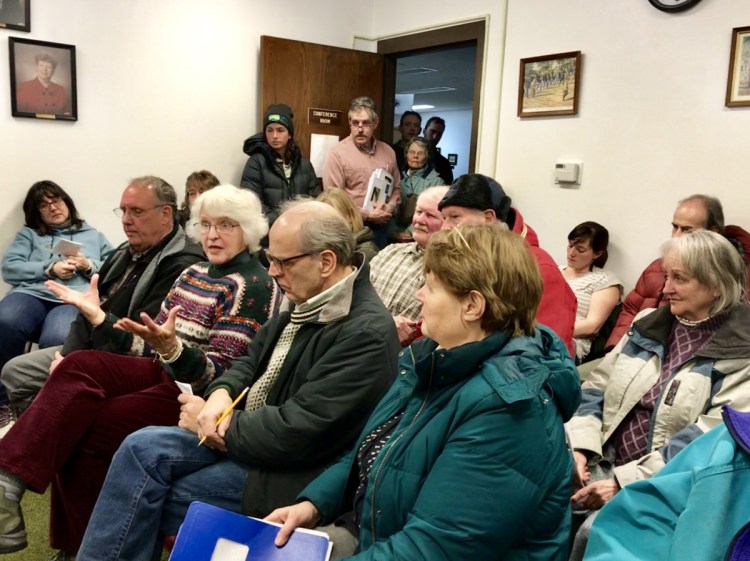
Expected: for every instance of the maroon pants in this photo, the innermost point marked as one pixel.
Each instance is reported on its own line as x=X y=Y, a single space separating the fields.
x=68 y=435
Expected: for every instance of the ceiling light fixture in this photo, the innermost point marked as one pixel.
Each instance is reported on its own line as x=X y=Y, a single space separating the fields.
x=420 y=107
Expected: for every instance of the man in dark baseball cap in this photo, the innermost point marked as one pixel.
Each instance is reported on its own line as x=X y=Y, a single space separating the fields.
x=478 y=199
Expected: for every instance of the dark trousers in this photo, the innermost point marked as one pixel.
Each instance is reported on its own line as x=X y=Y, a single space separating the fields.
x=67 y=437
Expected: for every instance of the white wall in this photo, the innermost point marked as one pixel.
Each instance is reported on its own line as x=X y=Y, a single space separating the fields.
x=164 y=87
x=169 y=87
x=652 y=127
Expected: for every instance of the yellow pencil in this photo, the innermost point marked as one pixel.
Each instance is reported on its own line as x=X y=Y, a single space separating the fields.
x=226 y=412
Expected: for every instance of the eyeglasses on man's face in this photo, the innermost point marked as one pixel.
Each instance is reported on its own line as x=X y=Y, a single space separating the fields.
x=44 y=205
x=133 y=212
x=280 y=264
x=224 y=227
x=355 y=124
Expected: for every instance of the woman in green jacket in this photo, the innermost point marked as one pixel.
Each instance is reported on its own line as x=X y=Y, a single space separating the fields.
x=465 y=457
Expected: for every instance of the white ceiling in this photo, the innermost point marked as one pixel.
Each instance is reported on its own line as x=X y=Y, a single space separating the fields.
x=443 y=78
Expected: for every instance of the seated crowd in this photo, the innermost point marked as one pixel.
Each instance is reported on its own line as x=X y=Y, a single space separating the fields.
x=390 y=367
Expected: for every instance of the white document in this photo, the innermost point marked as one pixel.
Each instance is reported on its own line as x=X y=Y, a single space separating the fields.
x=66 y=247
x=184 y=388
x=379 y=189
x=227 y=550
x=320 y=145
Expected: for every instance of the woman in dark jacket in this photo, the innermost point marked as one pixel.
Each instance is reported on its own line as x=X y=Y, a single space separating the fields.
x=276 y=170
x=465 y=457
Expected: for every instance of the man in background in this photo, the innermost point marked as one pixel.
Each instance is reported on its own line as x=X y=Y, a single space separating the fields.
x=433 y=132
x=135 y=278
x=409 y=127
x=352 y=161
x=397 y=272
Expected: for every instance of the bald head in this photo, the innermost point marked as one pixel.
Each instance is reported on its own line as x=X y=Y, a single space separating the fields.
x=318 y=226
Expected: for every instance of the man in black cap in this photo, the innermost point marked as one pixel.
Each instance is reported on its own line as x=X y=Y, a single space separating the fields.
x=478 y=199
x=275 y=169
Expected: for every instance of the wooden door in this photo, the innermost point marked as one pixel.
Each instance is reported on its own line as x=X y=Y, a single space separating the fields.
x=308 y=75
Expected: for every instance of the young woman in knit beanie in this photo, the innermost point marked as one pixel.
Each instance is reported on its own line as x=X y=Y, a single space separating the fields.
x=275 y=169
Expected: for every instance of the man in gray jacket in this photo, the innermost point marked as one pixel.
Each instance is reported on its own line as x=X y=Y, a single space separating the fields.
x=135 y=278
x=314 y=374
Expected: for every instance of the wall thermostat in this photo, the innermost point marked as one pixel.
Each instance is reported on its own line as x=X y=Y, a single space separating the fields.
x=567 y=172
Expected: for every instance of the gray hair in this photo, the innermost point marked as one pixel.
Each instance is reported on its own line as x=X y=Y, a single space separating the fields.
x=323 y=229
x=163 y=191
x=714 y=211
x=420 y=141
x=437 y=191
x=363 y=102
x=709 y=258
x=241 y=205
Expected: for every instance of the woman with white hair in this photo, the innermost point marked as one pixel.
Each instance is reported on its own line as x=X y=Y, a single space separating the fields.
x=95 y=399
x=664 y=384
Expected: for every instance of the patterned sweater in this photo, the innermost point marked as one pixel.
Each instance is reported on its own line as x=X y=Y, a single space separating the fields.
x=223 y=307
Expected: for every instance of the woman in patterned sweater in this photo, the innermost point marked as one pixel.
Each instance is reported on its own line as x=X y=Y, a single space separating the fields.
x=95 y=399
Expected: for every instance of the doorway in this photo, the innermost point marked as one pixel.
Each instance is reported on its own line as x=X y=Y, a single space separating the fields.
x=443 y=68
x=440 y=83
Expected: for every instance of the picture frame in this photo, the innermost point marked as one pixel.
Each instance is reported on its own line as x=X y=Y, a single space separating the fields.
x=738 y=80
x=549 y=85
x=15 y=14
x=43 y=80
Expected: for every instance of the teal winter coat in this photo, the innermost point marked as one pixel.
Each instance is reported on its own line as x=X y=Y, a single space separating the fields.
x=695 y=509
x=477 y=467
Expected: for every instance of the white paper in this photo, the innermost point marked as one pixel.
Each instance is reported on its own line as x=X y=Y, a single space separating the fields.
x=320 y=145
x=227 y=550
x=379 y=189
x=184 y=388
x=66 y=247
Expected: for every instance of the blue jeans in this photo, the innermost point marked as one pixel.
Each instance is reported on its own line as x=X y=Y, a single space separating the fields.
x=153 y=478
x=27 y=318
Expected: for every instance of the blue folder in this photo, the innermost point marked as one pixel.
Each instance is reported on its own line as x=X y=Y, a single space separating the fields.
x=205 y=525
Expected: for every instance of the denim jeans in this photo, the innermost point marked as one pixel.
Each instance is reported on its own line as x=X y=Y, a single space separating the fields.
x=26 y=318
x=154 y=476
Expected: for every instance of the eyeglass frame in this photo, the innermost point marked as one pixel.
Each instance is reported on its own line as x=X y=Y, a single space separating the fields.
x=44 y=205
x=371 y=124
x=204 y=227
x=120 y=212
x=281 y=264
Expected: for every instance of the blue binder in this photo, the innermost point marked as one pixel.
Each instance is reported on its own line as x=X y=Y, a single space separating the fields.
x=205 y=526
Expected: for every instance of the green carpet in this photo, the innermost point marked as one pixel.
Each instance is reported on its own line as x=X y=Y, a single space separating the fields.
x=36 y=515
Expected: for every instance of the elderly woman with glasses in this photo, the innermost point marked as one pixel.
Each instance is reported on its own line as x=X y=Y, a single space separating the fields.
x=39 y=252
x=666 y=381
x=444 y=468
x=95 y=399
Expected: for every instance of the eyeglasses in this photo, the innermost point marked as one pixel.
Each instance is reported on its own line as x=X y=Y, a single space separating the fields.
x=44 y=205
x=134 y=212
x=360 y=124
x=221 y=227
x=281 y=263
x=416 y=153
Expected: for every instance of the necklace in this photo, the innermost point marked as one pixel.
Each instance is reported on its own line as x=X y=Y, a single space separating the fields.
x=692 y=323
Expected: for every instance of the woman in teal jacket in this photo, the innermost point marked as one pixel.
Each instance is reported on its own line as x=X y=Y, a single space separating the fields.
x=695 y=509
x=30 y=312
x=465 y=457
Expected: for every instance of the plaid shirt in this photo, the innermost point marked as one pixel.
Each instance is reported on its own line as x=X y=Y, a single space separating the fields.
x=396 y=273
